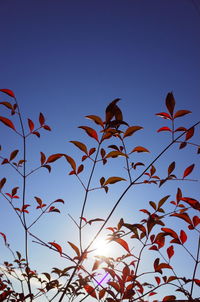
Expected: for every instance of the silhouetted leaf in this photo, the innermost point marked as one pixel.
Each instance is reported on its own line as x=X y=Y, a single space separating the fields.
x=13 y=154
x=171 y=167
x=189 y=134
x=80 y=169
x=41 y=119
x=111 y=110
x=7 y=122
x=75 y=248
x=2 y=182
x=31 y=125
x=170 y=103
x=42 y=158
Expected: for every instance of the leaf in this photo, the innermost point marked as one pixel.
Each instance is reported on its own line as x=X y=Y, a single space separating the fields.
x=123 y=243
x=53 y=209
x=90 y=290
x=91 y=132
x=113 y=179
x=57 y=247
x=164 y=129
x=47 y=167
x=111 y=111
x=170 y=251
x=4 y=237
x=36 y=133
x=8 y=92
x=71 y=162
x=31 y=125
x=81 y=146
x=75 y=248
x=96 y=119
x=140 y=149
x=115 y=285
x=7 y=105
x=164 y=115
x=162 y=266
x=189 y=134
x=153 y=205
x=59 y=200
x=7 y=122
x=114 y=154
x=102 y=293
x=170 y=103
x=171 y=167
x=13 y=154
x=162 y=201
x=80 y=169
x=42 y=158
x=94 y=220
x=169 y=298
x=39 y=200
x=188 y=170
x=180 y=113
x=130 y=130
x=158 y=280
x=2 y=182
x=170 y=232
x=46 y=127
x=41 y=119
x=183 y=237
x=54 y=157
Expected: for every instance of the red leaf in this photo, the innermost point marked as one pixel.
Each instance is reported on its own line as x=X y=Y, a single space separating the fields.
x=183 y=237
x=41 y=119
x=96 y=119
x=71 y=162
x=164 y=115
x=80 y=169
x=31 y=125
x=7 y=122
x=54 y=157
x=171 y=167
x=197 y=281
x=188 y=170
x=91 y=132
x=164 y=129
x=13 y=154
x=57 y=247
x=75 y=248
x=180 y=113
x=42 y=158
x=2 y=183
x=4 y=237
x=113 y=179
x=170 y=251
x=81 y=146
x=157 y=280
x=170 y=103
x=7 y=105
x=102 y=293
x=169 y=298
x=189 y=134
x=140 y=149
x=90 y=290
x=46 y=127
x=8 y=92
x=123 y=243
x=170 y=232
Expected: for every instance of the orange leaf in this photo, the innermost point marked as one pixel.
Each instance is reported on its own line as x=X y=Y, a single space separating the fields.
x=75 y=248
x=115 y=154
x=7 y=105
x=13 y=154
x=71 y=162
x=188 y=170
x=57 y=247
x=180 y=113
x=90 y=290
x=123 y=243
x=7 y=122
x=80 y=169
x=169 y=298
x=54 y=157
x=91 y=132
x=81 y=146
x=140 y=149
x=130 y=130
x=189 y=134
x=102 y=293
x=8 y=92
x=170 y=103
x=96 y=119
x=112 y=180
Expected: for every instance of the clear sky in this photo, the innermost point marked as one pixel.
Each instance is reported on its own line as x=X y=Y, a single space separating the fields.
x=69 y=59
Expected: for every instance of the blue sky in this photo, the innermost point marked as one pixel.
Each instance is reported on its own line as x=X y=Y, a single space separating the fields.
x=69 y=59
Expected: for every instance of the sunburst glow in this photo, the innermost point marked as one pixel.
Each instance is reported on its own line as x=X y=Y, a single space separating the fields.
x=101 y=247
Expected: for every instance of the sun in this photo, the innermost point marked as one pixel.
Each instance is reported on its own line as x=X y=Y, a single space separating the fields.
x=101 y=247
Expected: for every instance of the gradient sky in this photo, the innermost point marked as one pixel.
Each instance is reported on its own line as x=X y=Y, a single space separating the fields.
x=69 y=59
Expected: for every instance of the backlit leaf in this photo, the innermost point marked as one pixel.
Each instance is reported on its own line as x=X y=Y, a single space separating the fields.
x=130 y=130
x=111 y=110
x=71 y=162
x=170 y=251
x=7 y=122
x=180 y=113
x=75 y=248
x=188 y=170
x=183 y=237
x=113 y=179
x=96 y=119
x=123 y=243
x=8 y=92
x=170 y=103
x=90 y=290
x=164 y=115
x=162 y=201
x=115 y=154
x=91 y=132
x=164 y=129
x=169 y=298
x=80 y=169
x=59 y=200
x=31 y=125
x=80 y=145
x=189 y=134
x=57 y=247
x=140 y=149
